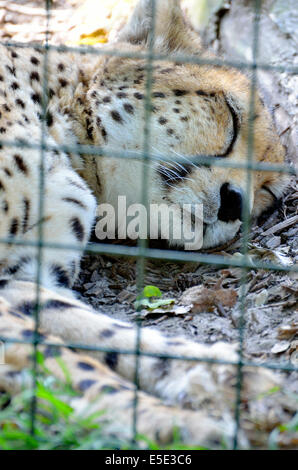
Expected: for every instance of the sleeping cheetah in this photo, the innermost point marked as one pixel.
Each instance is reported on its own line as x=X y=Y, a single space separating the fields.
x=99 y=100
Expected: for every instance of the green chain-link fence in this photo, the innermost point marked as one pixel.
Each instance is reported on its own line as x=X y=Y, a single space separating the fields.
x=142 y=252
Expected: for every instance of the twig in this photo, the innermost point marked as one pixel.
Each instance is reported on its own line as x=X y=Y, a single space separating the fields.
x=289 y=303
x=284 y=131
x=280 y=226
x=31 y=28
x=31 y=11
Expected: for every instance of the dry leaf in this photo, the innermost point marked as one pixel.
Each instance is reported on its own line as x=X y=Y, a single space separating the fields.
x=273 y=242
x=287 y=331
x=291 y=287
x=261 y=298
x=166 y=310
x=98 y=36
x=280 y=347
x=258 y=253
x=273 y=256
x=236 y=273
x=294 y=345
x=204 y=299
x=174 y=309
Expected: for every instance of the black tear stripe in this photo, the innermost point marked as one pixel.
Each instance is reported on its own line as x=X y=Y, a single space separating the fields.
x=236 y=128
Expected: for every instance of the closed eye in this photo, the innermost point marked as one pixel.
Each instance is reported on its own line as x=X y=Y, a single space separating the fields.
x=172 y=173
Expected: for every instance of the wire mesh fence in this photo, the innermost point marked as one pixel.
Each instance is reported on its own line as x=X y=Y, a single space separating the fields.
x=142 y=252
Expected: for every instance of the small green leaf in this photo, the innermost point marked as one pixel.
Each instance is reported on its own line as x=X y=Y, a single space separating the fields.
x=143 y=300
x=64 y=369
x=40 y=358
x=62 y=407
x=151 y=291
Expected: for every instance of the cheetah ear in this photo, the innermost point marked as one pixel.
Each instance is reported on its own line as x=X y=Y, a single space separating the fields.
x=172 y=34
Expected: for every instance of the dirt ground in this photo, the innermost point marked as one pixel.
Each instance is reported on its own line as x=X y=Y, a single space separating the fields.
x=108 y=283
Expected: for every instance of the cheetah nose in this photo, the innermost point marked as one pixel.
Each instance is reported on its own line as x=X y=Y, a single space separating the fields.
x=230 y=204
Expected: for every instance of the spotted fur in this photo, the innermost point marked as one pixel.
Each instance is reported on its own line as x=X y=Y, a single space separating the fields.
x=208 y=391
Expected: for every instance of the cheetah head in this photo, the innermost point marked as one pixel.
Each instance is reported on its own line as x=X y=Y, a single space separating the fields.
x=196 y=110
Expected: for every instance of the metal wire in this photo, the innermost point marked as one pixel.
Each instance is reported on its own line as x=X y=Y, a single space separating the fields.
x=142 y=244
x=142 y=252
x=179 y=58
x=209 y=160
x=246 y=221
x=36 y=336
